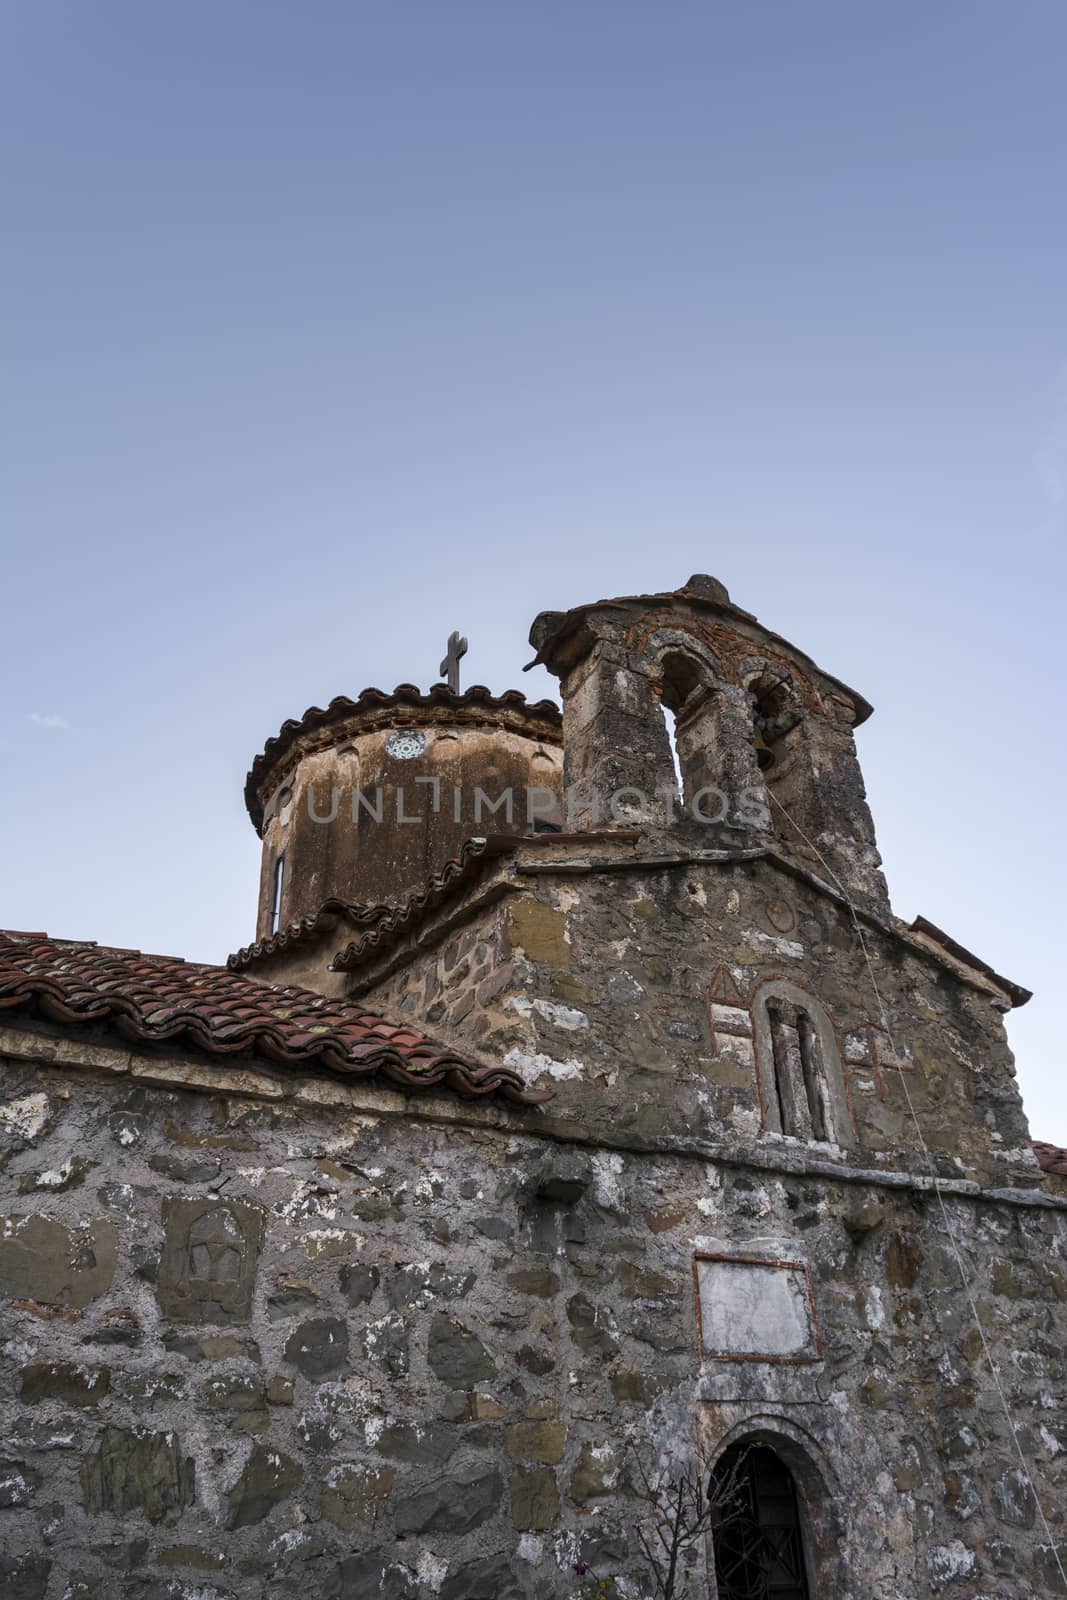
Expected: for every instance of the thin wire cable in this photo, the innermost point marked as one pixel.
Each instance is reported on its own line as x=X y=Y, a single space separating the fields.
x=949 y=1229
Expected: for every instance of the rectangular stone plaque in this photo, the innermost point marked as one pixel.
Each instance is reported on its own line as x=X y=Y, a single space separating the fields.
x=754 y=1310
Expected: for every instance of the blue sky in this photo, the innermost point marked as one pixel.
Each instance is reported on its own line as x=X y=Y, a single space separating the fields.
x=329 y=328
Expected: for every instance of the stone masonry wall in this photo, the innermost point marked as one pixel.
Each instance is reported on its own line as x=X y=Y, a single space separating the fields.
x=258 y=1348
x=637 y=993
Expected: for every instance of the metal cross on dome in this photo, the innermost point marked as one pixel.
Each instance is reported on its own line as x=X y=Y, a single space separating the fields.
x=457 y=648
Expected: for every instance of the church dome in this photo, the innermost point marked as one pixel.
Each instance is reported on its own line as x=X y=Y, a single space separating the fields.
x=364 y=800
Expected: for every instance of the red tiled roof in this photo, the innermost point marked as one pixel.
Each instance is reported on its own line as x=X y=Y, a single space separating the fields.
x=405 y=694
x=1051 y=1158
x=163 y=999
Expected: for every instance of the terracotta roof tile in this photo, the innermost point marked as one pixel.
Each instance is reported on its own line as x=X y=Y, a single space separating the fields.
x=1051 y=1158
x=163 y=999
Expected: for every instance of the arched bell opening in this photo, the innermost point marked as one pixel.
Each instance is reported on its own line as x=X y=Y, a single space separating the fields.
x=775 y=714
x=683 y=687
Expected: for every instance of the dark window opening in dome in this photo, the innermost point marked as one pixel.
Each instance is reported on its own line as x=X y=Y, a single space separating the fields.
x=276 y=905
x=759 y=1546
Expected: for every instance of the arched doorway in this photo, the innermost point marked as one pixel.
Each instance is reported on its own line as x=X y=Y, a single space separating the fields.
x=759 y=1542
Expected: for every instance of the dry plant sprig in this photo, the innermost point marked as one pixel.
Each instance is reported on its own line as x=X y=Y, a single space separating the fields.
x=684 y=1502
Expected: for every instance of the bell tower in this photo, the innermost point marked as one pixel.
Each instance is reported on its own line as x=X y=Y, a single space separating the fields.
x=685 y=715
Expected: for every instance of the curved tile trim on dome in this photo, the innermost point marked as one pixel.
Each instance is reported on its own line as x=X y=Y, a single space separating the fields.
x=387 y=923
x=163 y=999
x=405 y=694
x=319 y=923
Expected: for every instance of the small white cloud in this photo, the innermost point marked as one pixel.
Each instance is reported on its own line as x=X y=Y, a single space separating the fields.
x=48 y=719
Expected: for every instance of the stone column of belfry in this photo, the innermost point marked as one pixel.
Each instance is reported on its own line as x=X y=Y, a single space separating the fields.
x=616 y=684
x=616 y=752
x=818 y=783
x=724 y=787
x=618 y=764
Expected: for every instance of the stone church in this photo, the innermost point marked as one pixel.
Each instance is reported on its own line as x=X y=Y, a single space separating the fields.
x=584 y=1185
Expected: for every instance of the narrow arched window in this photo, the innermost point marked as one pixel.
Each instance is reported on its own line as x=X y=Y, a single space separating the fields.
x=802 y=1087
x=759 y=1543
x=276 y=902
x=799 y=1080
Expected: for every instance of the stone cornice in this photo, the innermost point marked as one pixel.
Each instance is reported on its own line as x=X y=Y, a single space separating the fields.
x=52 y=1049
x=564 y=857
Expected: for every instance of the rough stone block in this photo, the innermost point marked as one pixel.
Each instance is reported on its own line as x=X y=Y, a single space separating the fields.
x=375 y=1573
x=44 y=1261
x=536 y=1441
x=24 y=1577
x=191 y=1555
x=427 y=1444
x=268 y=1478
x=456 y=1355
x=561 y=1178
x=418 y=1284
x=534 y=1499
x=539 y=1281
x=359 y=1283
x=386 y=1342
x=66 y=1382
x=593 y=1327
x=496 y=1578
x=319 y=1347
x=353 y=1495
x=17 y=1484
x=135 y=1471
x=539 y=931
x=454 y=1504
x=597 y=1472
x=212 y=1347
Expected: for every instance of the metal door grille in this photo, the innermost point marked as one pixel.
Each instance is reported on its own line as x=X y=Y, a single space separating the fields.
x=759 y=1550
